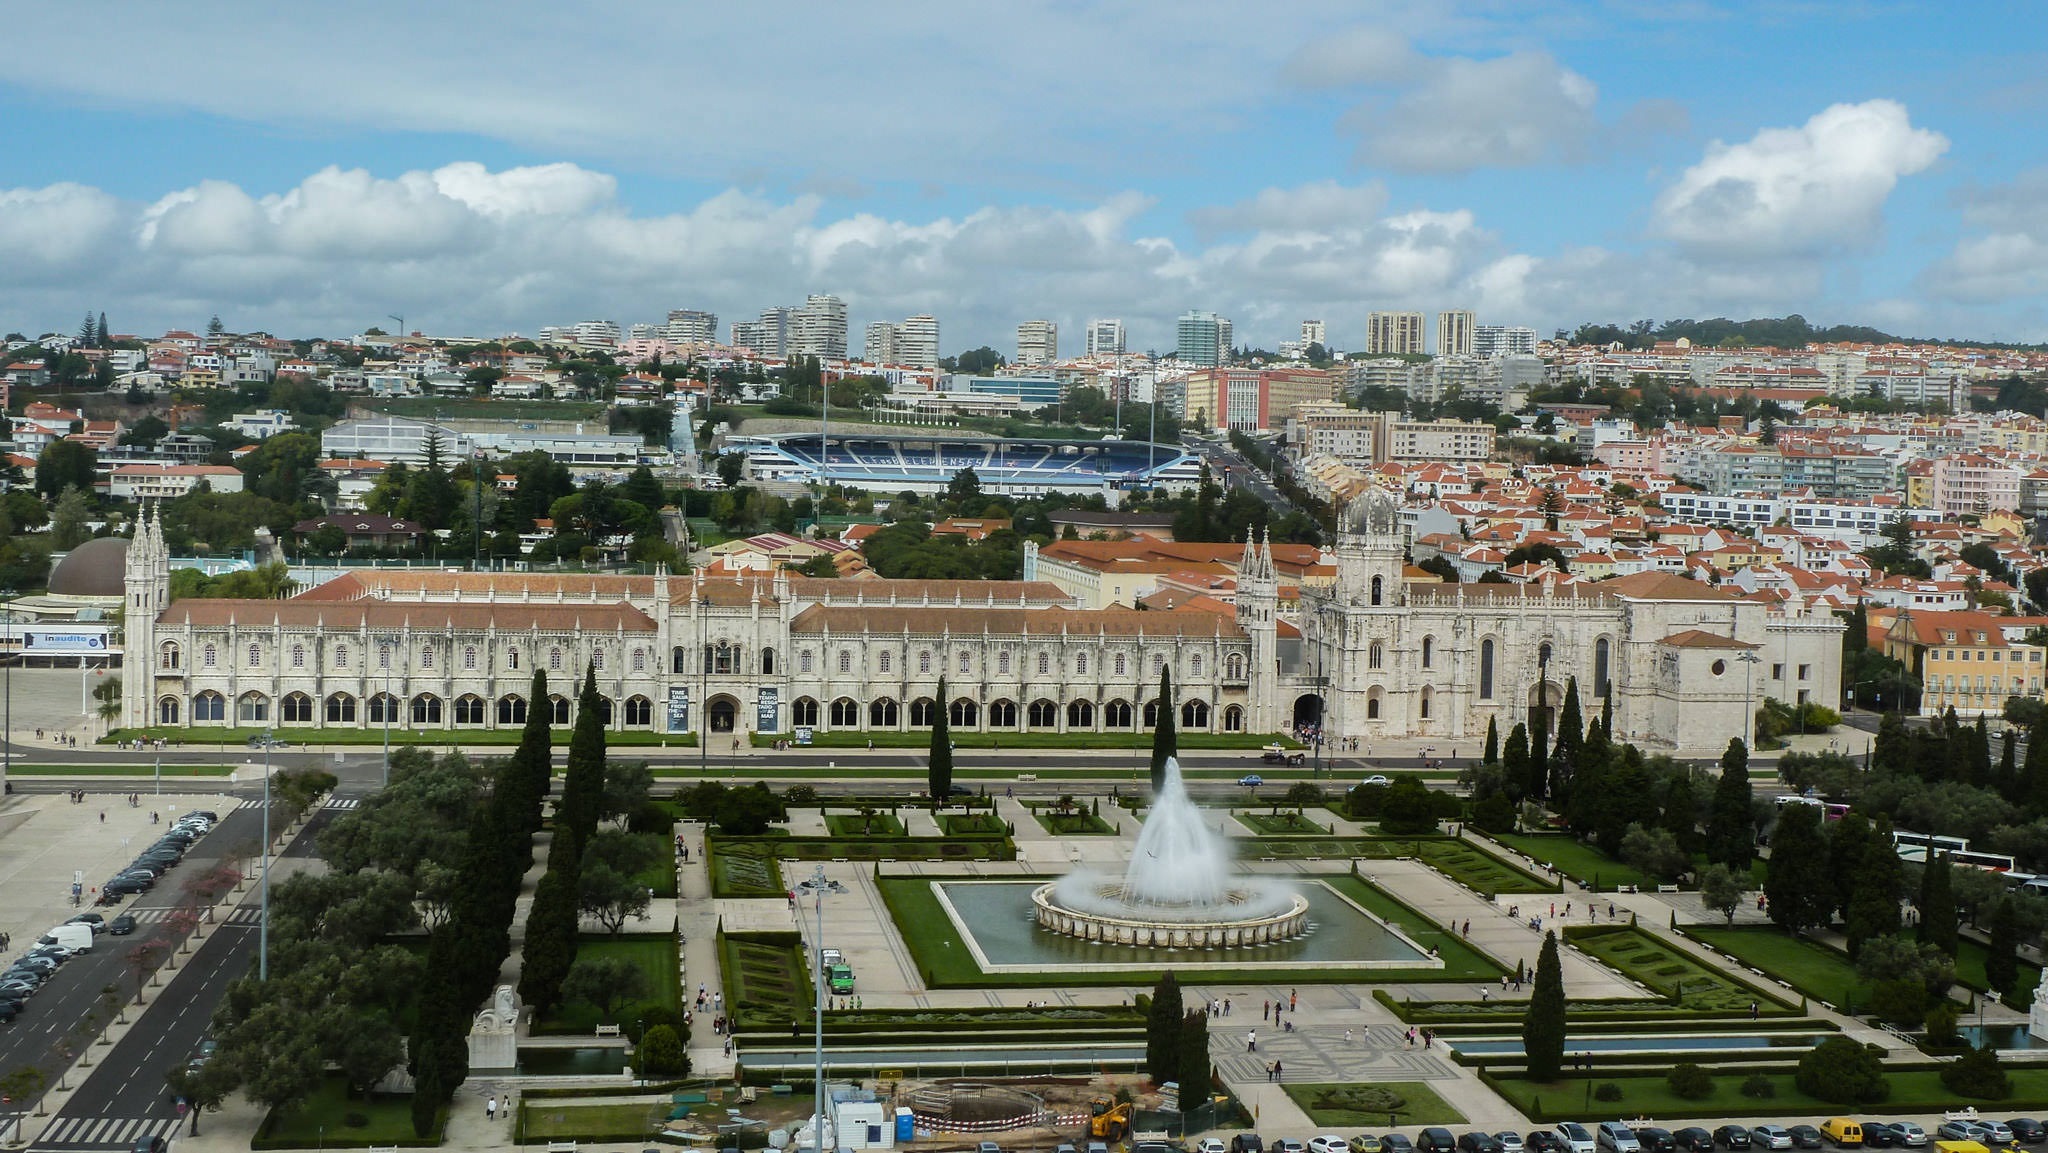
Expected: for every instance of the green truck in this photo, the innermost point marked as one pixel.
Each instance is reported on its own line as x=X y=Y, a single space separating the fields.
x=839 y=978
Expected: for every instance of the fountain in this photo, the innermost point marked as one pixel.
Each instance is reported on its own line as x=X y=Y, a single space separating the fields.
x=1178 y=892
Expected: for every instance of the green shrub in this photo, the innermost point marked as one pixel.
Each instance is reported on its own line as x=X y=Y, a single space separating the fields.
x=355 y=1120
x=1978 y=1073
x=1758 y=1087
x=1606 y=1091
x=1689 y=1081
x=661 y=1054
x=1843 y=1072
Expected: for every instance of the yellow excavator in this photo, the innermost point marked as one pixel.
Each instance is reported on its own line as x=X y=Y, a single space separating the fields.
x=1109 y=1121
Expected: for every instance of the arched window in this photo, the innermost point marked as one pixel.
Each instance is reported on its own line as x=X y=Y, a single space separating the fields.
x=804 y=714
x=1372 y=708
x=427 y=657
x=212 y=657
x=1233 y=719
x=966 y=660
x=845 y=662
x=1158 y=663
x=604 y=711
x=1600 y=650
x=209 y=706
x=1379 y=590
x=1003 y=664
x=882 y=713
x=639 y=660
x=1080 y=714
x=1543 y=653
x=884 y=660
x=924 y=662
x=1116 y=715
x=1486 y=670
x=1042 y=714
x=844 y=713
x=469 y=657
x=921 y=712
x=1045 y=665
x=1233 y=667
x=167 y=655
x=963 y=713
x=803 y=662
x=639 y=712
x=1428 y=652
x=426 y=709
x=1423 y=704
x=1151 y=713
x=1119 y=665
x=252 y=708
x=383 y=709
x=1375 y=656
x=1002 y=715
x=1081 y=664
x=1194 y=715
x=597 y=659
x=558 y=708
x=679 y=660
x=383 y=656
x=555 y=660
x=167 y=711
x=767 y=662
x=341 y=656
x=470 y=710
x=255 y=656
x=341 y=709
x=1195 y=663
x=512 y=710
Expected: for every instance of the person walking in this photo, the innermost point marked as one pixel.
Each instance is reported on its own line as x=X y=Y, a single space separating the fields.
x=491 y=1109
x=1251 y=1041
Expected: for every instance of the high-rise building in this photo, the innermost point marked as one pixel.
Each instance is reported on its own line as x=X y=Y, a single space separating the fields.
x=1494 y=340
x=1454 y=332
x=1313 y=332
x=602 y=333
x=1105 y=337
x=880 y=346
x=688 y=326
x=1038 y=342
x=768 y=336
x=1250 y=399
x=917 y=342
x=821 y=328
x=1204 y=339
x=1393 y=334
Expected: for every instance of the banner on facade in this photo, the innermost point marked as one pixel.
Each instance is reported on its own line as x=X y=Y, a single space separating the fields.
x=803 y=735
x=679 y=710
x=65 y=642
x=768 y=718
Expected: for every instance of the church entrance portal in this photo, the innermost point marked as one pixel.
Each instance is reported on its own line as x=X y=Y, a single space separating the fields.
x=723 y=713
x=1308 y=710
x=1544 y=700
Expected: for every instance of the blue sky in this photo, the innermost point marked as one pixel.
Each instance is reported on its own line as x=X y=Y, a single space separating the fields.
x=492 y=168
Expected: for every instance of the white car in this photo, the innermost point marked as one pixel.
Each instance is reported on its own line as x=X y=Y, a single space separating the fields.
x=1211 y=1145
x=1329 y=1143
x=1575 y=1137
x=1376 y=779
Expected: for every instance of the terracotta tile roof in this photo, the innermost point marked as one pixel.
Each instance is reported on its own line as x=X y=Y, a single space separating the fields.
x=375 y=615
x=969 y=621
x=1701 y=639
x=1663 y=586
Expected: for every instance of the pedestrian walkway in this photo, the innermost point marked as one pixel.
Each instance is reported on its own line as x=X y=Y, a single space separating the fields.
x=105 y=1132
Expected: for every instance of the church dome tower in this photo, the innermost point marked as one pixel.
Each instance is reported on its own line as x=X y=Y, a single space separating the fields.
x=1370 y=551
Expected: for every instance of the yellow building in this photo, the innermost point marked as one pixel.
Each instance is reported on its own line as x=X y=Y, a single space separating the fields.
x=1962 y=659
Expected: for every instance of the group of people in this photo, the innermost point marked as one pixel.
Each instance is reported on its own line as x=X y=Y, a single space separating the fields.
x=138 y=744
x=64 y=740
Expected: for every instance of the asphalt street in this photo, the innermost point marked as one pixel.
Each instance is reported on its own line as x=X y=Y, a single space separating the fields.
x=124 y=1096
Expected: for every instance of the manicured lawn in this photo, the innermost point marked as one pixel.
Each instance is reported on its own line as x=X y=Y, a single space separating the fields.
x=1648 y=1095
x=1970 y=967
x=1664 y=967
x=478 y=408
x=653 y=953
x=1337 y=1106
x=887 y=849
x=1815 y=970
x=1460 y=959
x=544 y=1120
x=1462 y=861
x=973 y=825
x=1574 y=858
x=320 y=1121
x=1075 y=824
x=767 y=983
x=120 y=771
x=856 y=825
x=1282 y=824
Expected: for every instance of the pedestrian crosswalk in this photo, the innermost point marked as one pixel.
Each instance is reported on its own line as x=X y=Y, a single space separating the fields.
x=240 y=915
x=104 y=1132
x=342 y=802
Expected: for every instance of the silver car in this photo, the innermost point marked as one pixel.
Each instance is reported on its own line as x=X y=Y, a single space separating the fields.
x=1909 y=1133
x=1771 y=1136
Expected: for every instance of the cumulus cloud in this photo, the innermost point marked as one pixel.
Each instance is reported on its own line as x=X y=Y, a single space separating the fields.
x=2009 y=257
x=1798 y=192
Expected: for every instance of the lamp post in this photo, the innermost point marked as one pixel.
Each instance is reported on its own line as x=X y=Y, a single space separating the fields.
x=818 y=1008
x=268 y=742
x=704 y=685
x=389 y=647
x=1749 y=661
x=15 y=644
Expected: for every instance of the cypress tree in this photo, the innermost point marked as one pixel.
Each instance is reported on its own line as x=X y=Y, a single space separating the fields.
x=105 y=335
x=1515 y=762
x=939 y=762
x=2007 y=779
x=1582 y=808
x=2033 y=786
x=1849 y=844
x=1543 y=1025
x=1164 y=743
x=1890 y=750
x=1731 y=830
x=1980 y=754
x=1163 y=1030
x=1938 y=907
x=1681 y=812
x=1874 y=908
x=1570 y=750
x=427 y=1091
x=1799 y=885
x=551 y=925
x=583 y=781
x=1492 y=741
x=1193 y=1073
x=2002 y=961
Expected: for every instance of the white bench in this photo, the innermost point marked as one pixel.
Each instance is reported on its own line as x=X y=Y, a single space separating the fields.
x=561 y=1147
x=607 y=1030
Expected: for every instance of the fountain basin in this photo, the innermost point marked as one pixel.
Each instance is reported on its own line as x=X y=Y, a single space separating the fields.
x=1168 y=927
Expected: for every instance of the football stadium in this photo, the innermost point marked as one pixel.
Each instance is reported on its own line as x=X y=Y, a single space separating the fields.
x=922 y=462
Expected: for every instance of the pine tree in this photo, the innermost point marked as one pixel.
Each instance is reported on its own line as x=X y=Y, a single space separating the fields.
x=1164 y=743
x=1874 y=909
x=88 y=336
x=2002 y=960
x=2007 y=778
x=1731 y=829
x=1799 y=886
x=1544 y=1024
x=1514 y=762
x=1492 y=741
x=1849 y=844
x=1570 y=749
x=1937 y=906
x=939 y=764
x=1163 y=1030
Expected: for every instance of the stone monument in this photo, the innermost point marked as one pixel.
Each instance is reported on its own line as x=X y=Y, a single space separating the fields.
x=2037 y=1014
x=494 y=1039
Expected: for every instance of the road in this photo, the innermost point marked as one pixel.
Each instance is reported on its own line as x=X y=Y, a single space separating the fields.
x=124 y=1096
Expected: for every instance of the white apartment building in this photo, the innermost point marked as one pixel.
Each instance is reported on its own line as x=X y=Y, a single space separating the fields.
x=880 y=345
x=689 y=326
x=821 y=328
x=1313 y=332
x=1105 y=337
x=1970 y=484
x=596 y=332
x=1858 y=524
x=1353 y=435
x=1393 y=333
x=1492 y=340
x=1702 y=508
x=169 y=481
x=263 y=425
x=1038 y=343
x=1454 y=332
x=917 y=342
x=771 y=335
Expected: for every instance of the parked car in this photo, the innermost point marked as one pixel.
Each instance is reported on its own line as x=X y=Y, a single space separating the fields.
x=1276 y=757
x=1376 y=779
x=1732 y=1136
x=1909 y=1133
x=1999 y=1130
x=1963 y=1131
x=1509 y=1141
x=1878 y=1135
x=98 y=923
x=1288 y=1145
x=1247 y=1143
x=1615 y=1137
x=1365 y=1143
x=1396 y=1143
x=1804 y=1136
x=121 y=926
x=1771 y=1137
x=1544 y=1141
x=1655 y=1139
x=1575 y=1137
x=1477 y=1141
x=1251 y=780
x=1328 y=1143
x=150 y=1145
x=2027 y=1131
x=1693 y=1139
x=1436 y=1140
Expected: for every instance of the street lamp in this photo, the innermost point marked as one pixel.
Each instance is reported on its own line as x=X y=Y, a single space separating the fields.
x=14 y=642
x=818 y=1008
x=267 y=742
x=704 y=685
x=388 y=647
x=1749 y=661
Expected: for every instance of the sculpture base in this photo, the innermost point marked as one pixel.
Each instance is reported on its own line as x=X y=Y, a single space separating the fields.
x=1131 y=926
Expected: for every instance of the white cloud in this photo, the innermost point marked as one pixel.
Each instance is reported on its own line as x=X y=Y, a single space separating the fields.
x=55 y=229
x=1511 y=111
x=2009 y=257
x=1798 y=192
x=1323 y=205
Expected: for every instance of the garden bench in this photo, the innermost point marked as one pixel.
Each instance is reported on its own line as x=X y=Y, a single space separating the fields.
x=607 y=1030
x=1027 y=776
x=778 y=1090
x=561 y=1147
